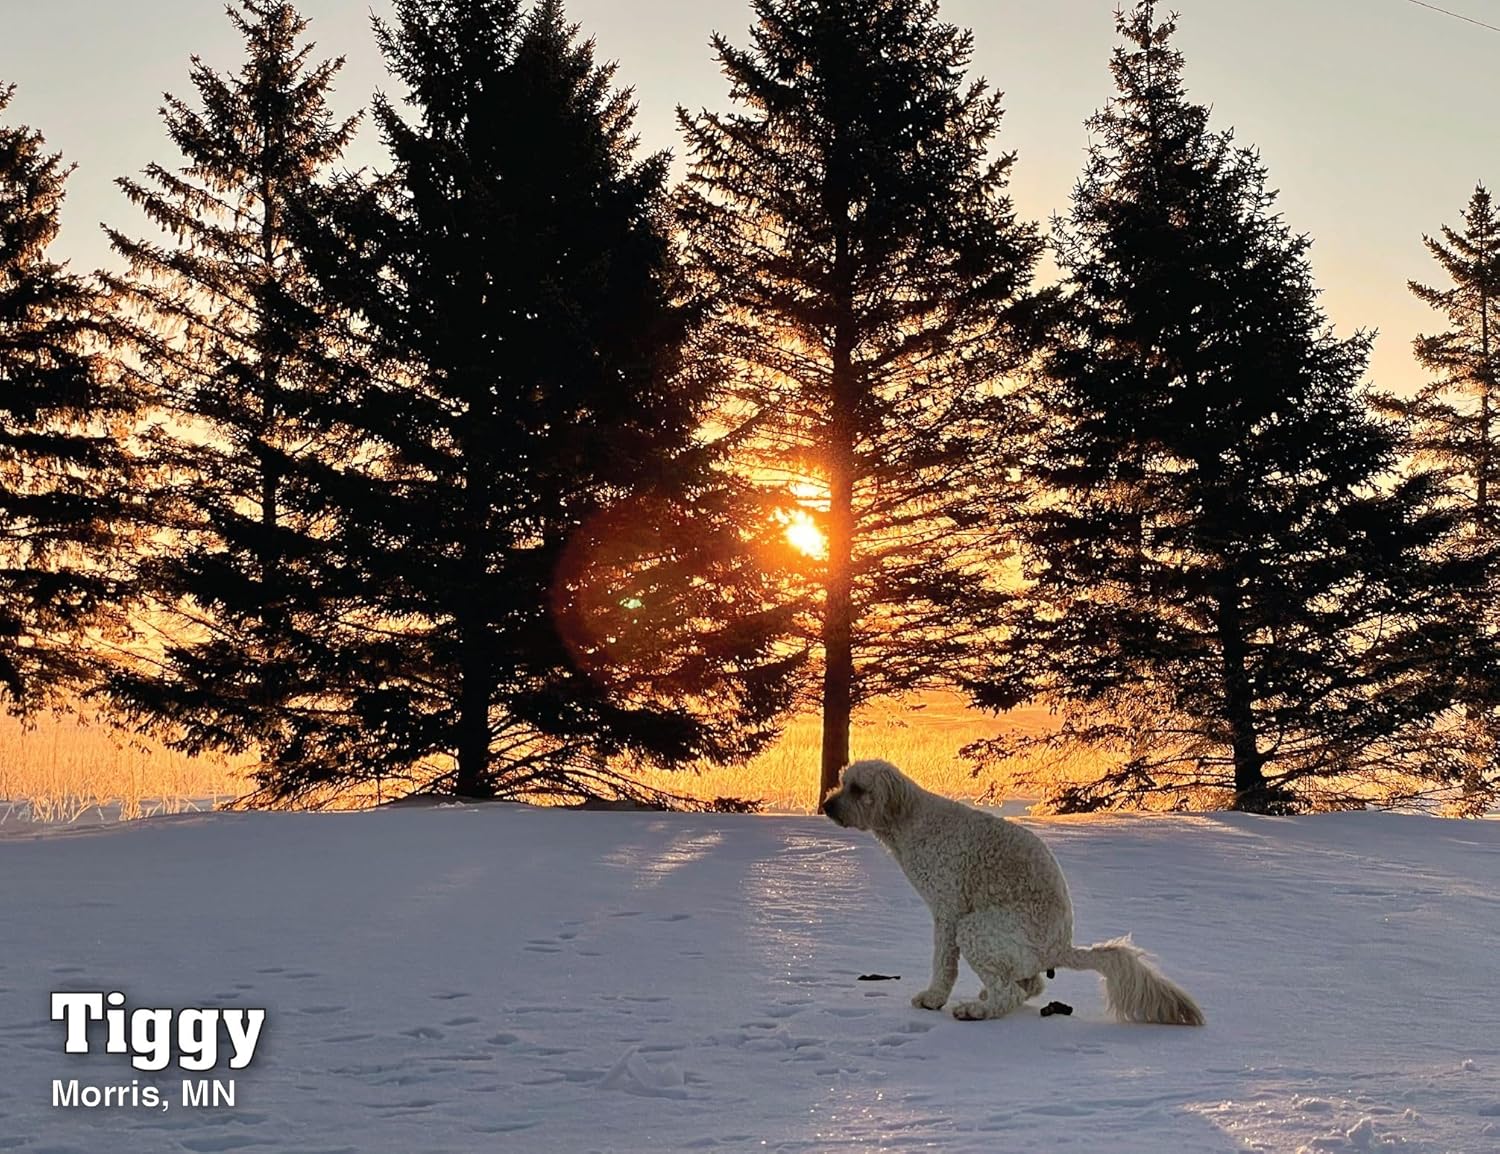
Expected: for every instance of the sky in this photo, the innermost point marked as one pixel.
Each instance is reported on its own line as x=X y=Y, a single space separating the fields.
x=1376 y=118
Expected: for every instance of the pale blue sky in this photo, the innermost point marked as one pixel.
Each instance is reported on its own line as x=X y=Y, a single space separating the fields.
x=1376 y=117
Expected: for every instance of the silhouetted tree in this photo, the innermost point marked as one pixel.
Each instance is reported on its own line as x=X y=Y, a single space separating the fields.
x=1456 y=414
x=565 y=579
x=63 y=428
x=1455 y=431
x=1214 y=540
x=235 y=352
x=853 y=232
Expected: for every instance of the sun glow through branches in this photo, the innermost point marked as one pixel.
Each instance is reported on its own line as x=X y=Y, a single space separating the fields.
x=803 y=535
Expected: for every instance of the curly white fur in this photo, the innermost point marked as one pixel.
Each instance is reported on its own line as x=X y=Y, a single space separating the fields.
x=998 y=900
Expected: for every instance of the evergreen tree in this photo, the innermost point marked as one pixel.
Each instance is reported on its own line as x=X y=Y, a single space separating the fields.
x=63 y=425
x=231 y=347
x=1214 y=537
x=1456 y=413
x=564 y=578
x=1454 y=427
x=854 y=235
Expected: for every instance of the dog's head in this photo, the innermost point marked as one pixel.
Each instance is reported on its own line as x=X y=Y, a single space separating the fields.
x=872 y=795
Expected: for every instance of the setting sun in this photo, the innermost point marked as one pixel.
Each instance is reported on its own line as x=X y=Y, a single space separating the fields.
x=803 y=534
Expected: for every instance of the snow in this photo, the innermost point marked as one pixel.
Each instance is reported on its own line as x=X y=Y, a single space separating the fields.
x=500 y=978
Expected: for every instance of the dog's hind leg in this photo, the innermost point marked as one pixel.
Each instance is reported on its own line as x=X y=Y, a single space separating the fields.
x=992 y=943
x=1030 y=987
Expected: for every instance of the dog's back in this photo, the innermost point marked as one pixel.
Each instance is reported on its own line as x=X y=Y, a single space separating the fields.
x=965 y=859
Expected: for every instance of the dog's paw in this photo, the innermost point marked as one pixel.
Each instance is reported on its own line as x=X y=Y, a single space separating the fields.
x=929 y=1000
x=971 y=1011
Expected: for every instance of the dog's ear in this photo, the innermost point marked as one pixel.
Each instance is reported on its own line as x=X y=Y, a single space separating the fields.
x=894 y=796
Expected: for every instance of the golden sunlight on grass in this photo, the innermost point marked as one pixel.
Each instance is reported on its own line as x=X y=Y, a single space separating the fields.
x=61 y=769
x=923 y=737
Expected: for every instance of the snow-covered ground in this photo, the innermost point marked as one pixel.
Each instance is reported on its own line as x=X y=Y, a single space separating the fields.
x=500 y=978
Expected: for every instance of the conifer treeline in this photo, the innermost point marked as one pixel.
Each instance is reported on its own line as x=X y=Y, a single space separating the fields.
x=472 y=472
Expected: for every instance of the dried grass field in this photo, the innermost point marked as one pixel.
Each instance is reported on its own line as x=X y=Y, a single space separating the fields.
x=923 y=737
x=59 y=768
x=63 y=769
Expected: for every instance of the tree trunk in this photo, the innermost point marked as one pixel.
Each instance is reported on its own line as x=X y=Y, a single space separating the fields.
x=1477 y=751
x=838 y=609
x=1250 y=792
x=838 y=669
x=273 y=611
x=473 y=737
x=273 y=608
x=1486 y=388
x=472 y=622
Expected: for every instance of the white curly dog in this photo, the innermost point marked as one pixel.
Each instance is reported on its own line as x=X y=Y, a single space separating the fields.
x=998 y=900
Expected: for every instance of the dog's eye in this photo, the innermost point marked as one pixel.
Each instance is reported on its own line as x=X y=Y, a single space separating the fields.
x=854 y=789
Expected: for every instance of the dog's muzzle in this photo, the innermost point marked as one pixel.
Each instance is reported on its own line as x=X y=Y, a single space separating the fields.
x=833 y=807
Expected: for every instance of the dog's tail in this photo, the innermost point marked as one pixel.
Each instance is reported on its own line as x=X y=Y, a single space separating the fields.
x=1135 y=989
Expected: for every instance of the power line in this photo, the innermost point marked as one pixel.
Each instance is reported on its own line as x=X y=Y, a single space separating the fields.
x=1455 y=15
